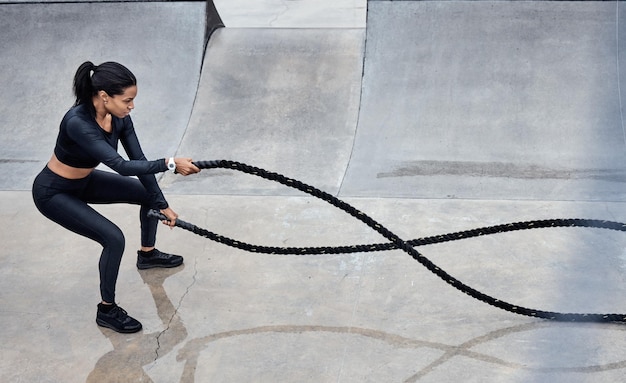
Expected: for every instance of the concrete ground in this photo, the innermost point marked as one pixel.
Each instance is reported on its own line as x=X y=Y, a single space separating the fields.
x=429 y=116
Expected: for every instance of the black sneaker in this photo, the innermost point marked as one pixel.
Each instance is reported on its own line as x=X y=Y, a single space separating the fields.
x=118 y=320
x=157 y=259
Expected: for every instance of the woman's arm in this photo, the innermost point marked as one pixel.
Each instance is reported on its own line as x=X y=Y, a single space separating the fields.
x=131 y=145
x=93 y=142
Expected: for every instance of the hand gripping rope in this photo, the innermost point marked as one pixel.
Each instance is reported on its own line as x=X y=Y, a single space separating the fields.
x=396 y=242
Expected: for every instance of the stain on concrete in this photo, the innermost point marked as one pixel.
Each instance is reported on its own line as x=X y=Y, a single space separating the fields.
x=502 y=170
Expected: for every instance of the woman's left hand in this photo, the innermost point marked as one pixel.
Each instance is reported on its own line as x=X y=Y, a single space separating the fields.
x=171 y=217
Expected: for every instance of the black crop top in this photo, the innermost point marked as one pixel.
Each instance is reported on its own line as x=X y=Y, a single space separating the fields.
x=82 y=143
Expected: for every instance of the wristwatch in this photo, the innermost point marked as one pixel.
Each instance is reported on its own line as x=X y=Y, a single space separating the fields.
x=171 y=165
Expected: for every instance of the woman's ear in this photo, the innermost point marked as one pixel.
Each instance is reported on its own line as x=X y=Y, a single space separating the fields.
x=103 y=96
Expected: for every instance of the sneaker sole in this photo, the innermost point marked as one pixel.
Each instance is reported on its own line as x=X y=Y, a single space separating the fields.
x=164 y=266
x=123 y=331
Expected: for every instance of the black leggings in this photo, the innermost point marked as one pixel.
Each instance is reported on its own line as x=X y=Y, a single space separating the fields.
x=65 y=202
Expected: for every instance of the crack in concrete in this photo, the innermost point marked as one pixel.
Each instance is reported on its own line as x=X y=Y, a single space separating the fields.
x=180 y=302
x=285 y=10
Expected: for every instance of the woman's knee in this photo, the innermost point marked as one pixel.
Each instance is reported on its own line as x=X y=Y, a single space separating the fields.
x=112 y=238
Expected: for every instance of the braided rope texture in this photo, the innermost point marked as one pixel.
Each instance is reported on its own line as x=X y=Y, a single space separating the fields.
x=395 y=242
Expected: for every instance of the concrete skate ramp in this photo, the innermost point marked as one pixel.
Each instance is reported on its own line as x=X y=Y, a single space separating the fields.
x=499 y=100
x=491 y=100
x=282 y=99
x=43 y=44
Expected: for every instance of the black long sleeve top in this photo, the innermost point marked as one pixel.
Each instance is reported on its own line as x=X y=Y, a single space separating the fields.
x=82 y=143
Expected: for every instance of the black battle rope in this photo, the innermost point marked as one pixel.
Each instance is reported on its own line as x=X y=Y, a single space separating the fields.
x=407 y=246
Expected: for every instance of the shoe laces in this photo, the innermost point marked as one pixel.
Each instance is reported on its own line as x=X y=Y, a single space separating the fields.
x=161 y=255
x=118 y=312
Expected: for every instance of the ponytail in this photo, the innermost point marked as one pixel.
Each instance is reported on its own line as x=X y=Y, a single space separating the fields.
x=111 y=77
x=83 y=88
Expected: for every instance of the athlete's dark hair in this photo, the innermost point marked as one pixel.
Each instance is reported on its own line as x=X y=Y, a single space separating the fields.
x=111 y=77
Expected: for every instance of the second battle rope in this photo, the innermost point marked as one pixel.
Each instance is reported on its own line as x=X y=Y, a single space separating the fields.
x=396 y=242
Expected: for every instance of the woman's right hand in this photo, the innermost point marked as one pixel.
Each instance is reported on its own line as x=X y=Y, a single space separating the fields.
x=171 y=217
x=185 y=166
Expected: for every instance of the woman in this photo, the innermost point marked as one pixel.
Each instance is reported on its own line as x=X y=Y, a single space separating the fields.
x=89 y=135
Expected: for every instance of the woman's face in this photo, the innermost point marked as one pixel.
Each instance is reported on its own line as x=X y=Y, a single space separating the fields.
x=120 y=105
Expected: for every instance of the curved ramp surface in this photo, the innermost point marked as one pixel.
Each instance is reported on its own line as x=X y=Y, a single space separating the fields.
x=42 y=45
x=491 y=100
x=284 y=99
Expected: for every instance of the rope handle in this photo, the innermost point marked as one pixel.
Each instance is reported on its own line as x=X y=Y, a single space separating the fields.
x=152 y=213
